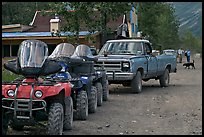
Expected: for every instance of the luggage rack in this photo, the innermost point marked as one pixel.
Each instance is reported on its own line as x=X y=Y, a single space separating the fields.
x=21 y=104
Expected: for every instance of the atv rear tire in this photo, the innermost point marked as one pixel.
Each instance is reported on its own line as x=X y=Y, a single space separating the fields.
x=99 y=93
x=55 y=119
x=68 y=116
x=106 y=90
x=93 y=100
x=81 y=112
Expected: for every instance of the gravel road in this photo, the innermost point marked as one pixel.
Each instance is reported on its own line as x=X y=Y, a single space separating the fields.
x=174 y=110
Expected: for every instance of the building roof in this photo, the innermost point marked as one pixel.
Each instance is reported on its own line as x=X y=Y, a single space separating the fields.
x=15 y=28
x=41 y=34
x=41 y=22
x=129 y=40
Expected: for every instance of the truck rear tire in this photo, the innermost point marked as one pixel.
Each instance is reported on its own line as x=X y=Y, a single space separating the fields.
x=81 y=112
x=136 y=83
x=99 y=93
x=55 y=119
x=105 y=90
x=93 y=100
x=68 y=116
x=164 y=79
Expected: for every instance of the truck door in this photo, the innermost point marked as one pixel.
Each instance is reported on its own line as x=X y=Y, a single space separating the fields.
x=151 y=61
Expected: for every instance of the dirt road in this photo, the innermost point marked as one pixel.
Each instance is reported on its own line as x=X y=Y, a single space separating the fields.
x=174 y=110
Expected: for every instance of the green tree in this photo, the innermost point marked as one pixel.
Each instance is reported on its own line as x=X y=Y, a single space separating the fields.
x=189 y=41
x=94 y=15
x=20 y=12
x=156 y=19
x=108 y=11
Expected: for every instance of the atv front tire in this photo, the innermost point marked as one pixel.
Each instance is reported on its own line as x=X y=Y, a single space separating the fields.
x=55 y=119
x=93 y=100
x=68 y=116
x=99 y=93
x=81 y=112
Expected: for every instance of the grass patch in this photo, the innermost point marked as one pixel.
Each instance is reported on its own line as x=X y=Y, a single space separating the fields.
x=8 y=76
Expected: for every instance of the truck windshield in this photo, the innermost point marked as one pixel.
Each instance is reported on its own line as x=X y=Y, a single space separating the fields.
x=122 y=48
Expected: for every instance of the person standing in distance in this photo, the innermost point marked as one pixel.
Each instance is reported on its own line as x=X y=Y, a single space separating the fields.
x=188 y=55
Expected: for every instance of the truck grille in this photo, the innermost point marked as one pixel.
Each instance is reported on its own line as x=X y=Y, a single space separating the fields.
x=109 y=66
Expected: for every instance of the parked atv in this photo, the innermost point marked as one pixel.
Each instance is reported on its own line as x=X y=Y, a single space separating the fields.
x=99 y=76
x=62 y=54
x=31 y=100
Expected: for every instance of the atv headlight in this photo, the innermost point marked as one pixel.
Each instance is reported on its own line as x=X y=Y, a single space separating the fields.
x=10 y=93
x=38 y=93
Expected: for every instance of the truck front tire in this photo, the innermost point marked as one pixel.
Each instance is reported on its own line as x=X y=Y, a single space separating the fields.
x=164 y=79
x=136 y=83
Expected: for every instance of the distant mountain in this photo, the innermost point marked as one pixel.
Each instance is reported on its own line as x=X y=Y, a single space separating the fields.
x=189 y=15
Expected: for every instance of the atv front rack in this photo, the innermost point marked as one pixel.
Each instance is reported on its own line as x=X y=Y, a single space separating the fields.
x=23 y=108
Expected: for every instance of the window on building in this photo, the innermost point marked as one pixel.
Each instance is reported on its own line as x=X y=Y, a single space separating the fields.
x=14 y=50
x=6 y=51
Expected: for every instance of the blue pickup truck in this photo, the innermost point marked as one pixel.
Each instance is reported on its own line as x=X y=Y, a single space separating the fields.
x=131 y=61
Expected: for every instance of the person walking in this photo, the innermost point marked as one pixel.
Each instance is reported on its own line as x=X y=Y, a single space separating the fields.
x=180 y=55
x=188 y=55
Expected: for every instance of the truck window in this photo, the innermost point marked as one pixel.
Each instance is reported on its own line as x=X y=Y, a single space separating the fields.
x=147 y=48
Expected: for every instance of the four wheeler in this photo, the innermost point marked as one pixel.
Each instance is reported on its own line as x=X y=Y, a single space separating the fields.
x=31 y=100
x=99 y=77
x=62 y=54
x=84 y=55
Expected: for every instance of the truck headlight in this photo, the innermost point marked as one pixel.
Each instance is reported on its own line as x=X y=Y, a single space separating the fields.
x=38 y=93
x=126 y=64
x=10 y=93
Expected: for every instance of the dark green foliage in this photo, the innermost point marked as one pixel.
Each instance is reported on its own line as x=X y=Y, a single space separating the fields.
x=157 y=20
x=20 y=12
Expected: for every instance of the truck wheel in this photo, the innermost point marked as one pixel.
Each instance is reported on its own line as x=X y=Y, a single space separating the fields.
x=81 y=112
x=55 y=119
x=164 y=79
x=136 y=83
x=106 y=91
x=93 y=100
x=68 y=116
x=99 y=93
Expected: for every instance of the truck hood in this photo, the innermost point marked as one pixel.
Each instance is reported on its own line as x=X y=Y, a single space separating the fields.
x=116 y=57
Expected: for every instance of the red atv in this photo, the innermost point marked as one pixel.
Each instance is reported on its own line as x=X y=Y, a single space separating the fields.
x=31 y=100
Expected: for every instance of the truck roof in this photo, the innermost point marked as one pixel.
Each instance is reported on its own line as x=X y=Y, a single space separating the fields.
x=128 y=40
